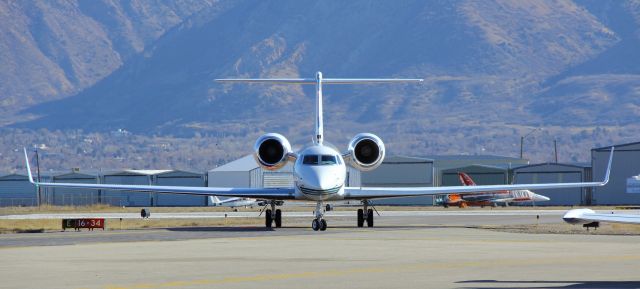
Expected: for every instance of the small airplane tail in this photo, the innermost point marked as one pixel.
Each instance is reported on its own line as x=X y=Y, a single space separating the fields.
x=466 y=179
x=214 y=201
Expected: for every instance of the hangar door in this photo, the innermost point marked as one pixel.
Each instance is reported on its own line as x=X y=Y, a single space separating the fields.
x=75 y=197
x=565 y=197
x=277 y=180
x=127 y=198
x=186 y=180
x=481 y=175
x=15 y=190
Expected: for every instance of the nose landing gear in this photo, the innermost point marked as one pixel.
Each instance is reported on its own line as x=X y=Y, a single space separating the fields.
x=319 y=224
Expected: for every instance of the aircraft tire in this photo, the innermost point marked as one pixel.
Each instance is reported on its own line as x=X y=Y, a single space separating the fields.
x=360 y=218
x=369 y=218
x=278 y=219
x=315 y=225
x=323 y=225
x=267 y=218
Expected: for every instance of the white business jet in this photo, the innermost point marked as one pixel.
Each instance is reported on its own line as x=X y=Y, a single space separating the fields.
x=319 y=169
x=589 y=218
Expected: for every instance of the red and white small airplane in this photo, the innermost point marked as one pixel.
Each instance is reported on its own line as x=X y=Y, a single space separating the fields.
x=491 y=198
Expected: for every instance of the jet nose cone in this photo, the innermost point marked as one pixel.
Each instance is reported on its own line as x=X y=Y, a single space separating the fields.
x=541 y=198
x=319 y=182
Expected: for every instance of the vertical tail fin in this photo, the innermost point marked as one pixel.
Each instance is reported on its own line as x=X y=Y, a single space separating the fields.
x=466 y=179
x=214 y=201
x=319 y=117
x=319 y=81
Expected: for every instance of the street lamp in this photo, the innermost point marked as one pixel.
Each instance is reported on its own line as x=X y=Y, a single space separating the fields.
x=39 y=196
x=526 y=135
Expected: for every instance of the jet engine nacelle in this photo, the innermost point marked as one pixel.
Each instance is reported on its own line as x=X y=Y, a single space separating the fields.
x=366 y=152
x=271 y=151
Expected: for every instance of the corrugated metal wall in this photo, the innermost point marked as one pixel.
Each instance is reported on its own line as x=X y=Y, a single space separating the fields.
x=553 y=173
x=481 y=175
x=129 y=199
x=401 y=172
x=626 y=163
x=277 y=180
x=75 y=197
x=178 y=178
x=15 y=190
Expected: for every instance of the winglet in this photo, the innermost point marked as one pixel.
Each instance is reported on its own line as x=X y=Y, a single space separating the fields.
x=606 y=176
x=26 y=159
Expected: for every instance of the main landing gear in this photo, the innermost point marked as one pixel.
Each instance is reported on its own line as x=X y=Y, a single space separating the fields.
x=272 y=216
x=365 y=214
x=319 y=224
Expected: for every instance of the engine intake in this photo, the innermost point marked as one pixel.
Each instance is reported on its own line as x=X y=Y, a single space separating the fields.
x=366 y=152
x=271 y=151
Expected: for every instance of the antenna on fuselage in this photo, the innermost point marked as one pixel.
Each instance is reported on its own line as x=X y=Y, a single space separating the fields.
x=319 y=81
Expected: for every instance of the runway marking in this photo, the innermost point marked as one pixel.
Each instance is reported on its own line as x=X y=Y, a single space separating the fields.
x=386 y=269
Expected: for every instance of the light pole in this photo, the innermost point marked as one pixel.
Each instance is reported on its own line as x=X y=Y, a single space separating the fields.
x=39 y=196
x=555 y=149
x=524 y=136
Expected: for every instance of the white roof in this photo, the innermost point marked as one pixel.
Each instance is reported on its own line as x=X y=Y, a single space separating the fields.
x=242 y=164
x=139 y=172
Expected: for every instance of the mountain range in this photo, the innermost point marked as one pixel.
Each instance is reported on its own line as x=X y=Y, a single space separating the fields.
x=493 y=71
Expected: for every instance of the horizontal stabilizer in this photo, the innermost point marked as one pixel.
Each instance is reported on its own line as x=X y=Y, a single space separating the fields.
x=324 y=80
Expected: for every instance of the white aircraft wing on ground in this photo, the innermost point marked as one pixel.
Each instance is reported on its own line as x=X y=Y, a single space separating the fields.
x=584 y=216
x=360 y=193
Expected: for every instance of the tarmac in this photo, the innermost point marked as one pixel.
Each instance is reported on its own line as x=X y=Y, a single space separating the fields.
x=404 y=250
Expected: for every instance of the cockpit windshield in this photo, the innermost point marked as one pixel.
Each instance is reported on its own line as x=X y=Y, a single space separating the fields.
x=310 y=160
x=322 y=160
x=328 y=160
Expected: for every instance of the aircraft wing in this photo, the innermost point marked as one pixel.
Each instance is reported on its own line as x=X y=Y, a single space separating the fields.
x=261 y=193
x=396 y=192
x=583 y=216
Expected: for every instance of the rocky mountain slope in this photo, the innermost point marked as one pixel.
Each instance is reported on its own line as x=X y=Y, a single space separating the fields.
x=493 y=70
x=54 y=49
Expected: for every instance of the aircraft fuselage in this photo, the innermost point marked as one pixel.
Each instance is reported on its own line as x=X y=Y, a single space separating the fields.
x=319 y=174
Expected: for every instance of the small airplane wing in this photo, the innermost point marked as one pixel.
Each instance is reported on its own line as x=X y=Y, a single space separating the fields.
x=584 y=216
x=395 y=192
x=262 y=193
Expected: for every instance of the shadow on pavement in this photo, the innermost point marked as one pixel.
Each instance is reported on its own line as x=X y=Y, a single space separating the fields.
x=537 y=284
x=305 y=227
x=220 y=229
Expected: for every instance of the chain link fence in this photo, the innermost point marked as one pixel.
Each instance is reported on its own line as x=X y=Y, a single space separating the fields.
x=64 y=200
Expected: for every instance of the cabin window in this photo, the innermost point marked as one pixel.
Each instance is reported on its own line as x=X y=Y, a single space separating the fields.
x=310 y=160
x=328 y=160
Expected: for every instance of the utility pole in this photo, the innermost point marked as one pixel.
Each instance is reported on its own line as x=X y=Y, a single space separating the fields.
x=39 y=196
x=555 y=149
x=523 y=137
